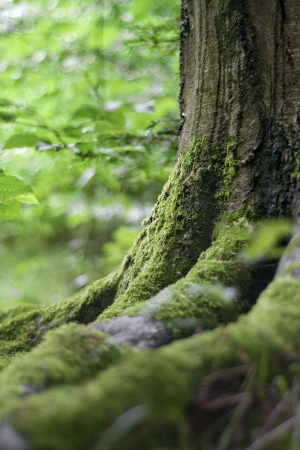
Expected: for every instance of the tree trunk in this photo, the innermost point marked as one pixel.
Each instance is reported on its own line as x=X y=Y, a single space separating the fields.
x=240 y=67
x=238 y=161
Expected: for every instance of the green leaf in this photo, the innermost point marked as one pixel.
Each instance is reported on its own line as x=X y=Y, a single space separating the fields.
x=30 y=199
x=85 y=148
x=116 y=119
x=11 y=187
x=21 y=140
x=9 y=211
x=74 y=132
x=104 y=128
x=87 y=112
x=266 y=240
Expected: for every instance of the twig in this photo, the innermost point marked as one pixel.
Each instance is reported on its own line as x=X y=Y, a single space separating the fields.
x=273 y=434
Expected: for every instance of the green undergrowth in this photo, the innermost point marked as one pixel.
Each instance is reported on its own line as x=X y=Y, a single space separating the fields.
x=164 y=381
x=200 y=300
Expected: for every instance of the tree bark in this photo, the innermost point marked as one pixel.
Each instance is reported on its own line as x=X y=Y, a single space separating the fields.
x=238 y=161
x=240 y=66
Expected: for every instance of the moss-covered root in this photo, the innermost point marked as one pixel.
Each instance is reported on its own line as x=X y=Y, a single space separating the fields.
x=178 y=229
x=71 y=354
x=163 y=382
x=19 y=332
x=216 y=290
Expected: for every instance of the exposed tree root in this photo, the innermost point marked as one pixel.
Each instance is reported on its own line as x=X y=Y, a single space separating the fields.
x=165 y=380
x=43 y=396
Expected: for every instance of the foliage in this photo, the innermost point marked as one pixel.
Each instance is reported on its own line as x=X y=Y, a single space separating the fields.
x=13 y=192
x=88 y=118
x=269 y=240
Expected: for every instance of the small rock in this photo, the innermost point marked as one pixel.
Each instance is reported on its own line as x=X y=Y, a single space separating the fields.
x=139 y=331
x=28 y=389
x=10 y=439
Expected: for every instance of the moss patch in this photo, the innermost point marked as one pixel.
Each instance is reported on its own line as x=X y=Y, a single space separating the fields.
x=230 y=171
x=11 y=313
x=201 y=300
x=180 y=225
x=20 y=332
x=172 y=238
x=68 y=355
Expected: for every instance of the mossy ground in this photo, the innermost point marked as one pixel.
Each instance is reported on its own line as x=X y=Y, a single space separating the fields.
x=66 y=366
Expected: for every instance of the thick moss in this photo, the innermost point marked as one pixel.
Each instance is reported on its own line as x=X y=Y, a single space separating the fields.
x=181 y=224
x=68 y=355
x=165 y=380
x=11 y=313
x=230 y=171
x=201 y=300
x=19 y=332
x=172 y=238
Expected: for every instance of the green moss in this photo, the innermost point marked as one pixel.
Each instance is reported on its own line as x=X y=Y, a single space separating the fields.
x=174 y=235
x=10 y=313
x=19 y=332
x=68 y=355
x=230 y=170
x=165 y=380
x=5 y=361
x=244 y=212
x=200 y=300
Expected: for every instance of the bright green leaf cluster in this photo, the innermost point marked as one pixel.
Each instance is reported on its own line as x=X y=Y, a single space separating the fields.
x=13 y=192
x=269 y=240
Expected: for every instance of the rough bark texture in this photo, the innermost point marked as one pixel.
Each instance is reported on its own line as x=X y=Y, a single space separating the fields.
x=96 y=387
x=240 y=66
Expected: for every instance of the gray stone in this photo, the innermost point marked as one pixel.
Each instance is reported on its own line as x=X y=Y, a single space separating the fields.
x=140 y=332
x=28 y=389
x=10 y=439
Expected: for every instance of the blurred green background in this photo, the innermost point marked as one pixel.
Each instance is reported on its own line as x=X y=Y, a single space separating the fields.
x=89 y=118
